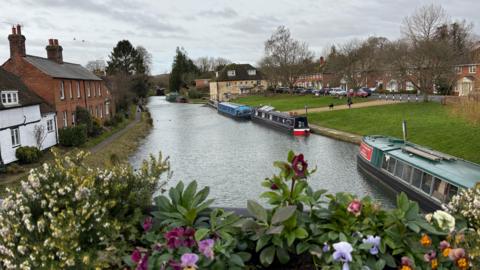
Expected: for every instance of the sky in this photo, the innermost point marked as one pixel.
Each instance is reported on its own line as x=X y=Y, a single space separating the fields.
x=236 y=30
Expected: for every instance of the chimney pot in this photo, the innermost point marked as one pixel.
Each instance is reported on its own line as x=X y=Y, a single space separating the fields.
x=50 y=42
x=55 y=42
x=17 y=42
x=19 y=29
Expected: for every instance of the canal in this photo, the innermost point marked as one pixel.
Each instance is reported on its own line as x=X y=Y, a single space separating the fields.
x=233 y=157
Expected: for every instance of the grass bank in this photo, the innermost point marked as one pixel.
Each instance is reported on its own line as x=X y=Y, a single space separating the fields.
x=288 y=102
x=429 y=124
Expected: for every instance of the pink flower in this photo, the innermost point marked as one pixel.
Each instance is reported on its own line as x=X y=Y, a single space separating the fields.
x=456 y=254
x=143 y=265
x=444 y=244
x=148 y=223
x=430 y=256
x=355 y=207
x=299 y=166
x=189 y=260
x=175 y=265
x=274 y=186
x=136 y=256
x=206 y=248
x=180 y=237
x=406 y=261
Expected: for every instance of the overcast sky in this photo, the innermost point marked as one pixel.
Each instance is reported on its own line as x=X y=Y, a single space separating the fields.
x=236 y=30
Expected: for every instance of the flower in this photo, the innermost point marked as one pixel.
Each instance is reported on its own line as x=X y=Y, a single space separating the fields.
x=426 y=241
x=188 y=261
x=274 y=186
x=179 y=237
x=406 y=263
x=342 y=253
x=206 y=248
x=326 y=247
x=429 y=256
x=375 y=241
x=434 y=263
x=458 y=255
x=445 y=248
x=355 y=207
x=136 y=256
x=299 y=166
x=147 y=224
x=143 y=265
x=444 y=220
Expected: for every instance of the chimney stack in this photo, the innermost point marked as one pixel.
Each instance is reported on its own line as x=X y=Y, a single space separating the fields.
x=322 y=60
x=17 y=42
x=54 y=51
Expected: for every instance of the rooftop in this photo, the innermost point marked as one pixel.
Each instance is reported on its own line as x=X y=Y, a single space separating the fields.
x=65 y=70
x=241 y=73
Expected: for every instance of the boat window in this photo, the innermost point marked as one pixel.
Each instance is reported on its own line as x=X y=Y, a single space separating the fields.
x=385 y=162
x=289 y=122
x=452 y=191
x=407 y=173
x=440 y=189
x=391 y=165
x=427 y=182
x=399 y=169
x=417 y=178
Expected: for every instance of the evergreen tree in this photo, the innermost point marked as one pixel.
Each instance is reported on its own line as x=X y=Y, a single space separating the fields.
x=182 y=70
x=124 y=59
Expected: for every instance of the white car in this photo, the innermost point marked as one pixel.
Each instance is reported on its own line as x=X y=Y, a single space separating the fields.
x=338 y=92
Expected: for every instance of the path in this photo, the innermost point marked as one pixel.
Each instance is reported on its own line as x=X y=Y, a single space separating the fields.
x=113 y=137
x=343 y=107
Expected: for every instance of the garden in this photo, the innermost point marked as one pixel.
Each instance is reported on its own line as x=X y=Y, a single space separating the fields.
x=68 y=215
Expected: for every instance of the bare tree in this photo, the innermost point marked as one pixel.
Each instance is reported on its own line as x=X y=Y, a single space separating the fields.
x=96 y=66
x=146 y=59
x=289 y=58
x=422 y=25
x=40 y=135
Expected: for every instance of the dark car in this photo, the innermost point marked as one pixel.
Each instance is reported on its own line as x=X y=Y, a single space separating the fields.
x=365 y=90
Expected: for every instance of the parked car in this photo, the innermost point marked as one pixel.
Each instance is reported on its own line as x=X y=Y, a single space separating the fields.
x=338 y=92
x=361 y=93
x=366 y=90
x=306 y=91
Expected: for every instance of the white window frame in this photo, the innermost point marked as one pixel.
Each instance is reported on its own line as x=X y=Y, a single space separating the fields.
x=15 y=135
x=50 y=125
x=99 y=89
x=88 y=88
x=65 y=120
x=107 y=109
x=101 y=111
x=252 y=72
x=231 y=73
x=73 y=118
x=93 y=88
x=70 y=89
x=458 y=70
x=62 y=90
x=9 y=97
x=78 y=90
x=472 y=69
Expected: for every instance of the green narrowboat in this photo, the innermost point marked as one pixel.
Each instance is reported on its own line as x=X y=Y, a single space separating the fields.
x=172 y=97
x=427 y=176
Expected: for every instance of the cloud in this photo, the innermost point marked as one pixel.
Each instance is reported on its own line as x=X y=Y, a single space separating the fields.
x=224 y=13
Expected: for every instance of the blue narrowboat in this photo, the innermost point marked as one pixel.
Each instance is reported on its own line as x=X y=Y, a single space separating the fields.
x=427 y=176
x=236 y=111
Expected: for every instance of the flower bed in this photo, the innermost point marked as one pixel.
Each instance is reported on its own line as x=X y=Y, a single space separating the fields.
x=68 y=216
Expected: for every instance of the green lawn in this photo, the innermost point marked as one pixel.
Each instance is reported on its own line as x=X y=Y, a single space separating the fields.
x=429 y=124
x=287 y=102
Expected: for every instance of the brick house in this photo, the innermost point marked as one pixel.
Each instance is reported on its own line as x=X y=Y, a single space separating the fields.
x=65 y=86
x=236 y=79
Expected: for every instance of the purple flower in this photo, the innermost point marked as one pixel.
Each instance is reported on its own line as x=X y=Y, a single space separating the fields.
x=274 y=186
x=429 y=256
x=189 y=260
x=188 y=236
x=143 y=265
x=175 y=265
x=179 y=237
x=375 y=241
x=206 y=248
x=406 y=261
x=355 y=207
x=326 y=248
x=136 y=256
x=343 y=254
x=147 y=224
x=299 y=166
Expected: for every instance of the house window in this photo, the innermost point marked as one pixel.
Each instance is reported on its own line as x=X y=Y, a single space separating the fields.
x=15 y=132
x=93 y=88
x=99 y=90
x=9 y=97
x=50 y=125
x=65 y=123
x=458 y=70
x=70 y=90
x=62 y=90
x=88 y=88
x=252 y=72
x=78 y=89
x=472 y=69
x=231 y=73
x=101 y=112
x=107 y=109
x=73 y=119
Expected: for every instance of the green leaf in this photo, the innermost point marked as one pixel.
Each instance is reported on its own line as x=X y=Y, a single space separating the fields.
x=301 y=233
x=257 y=211
x=380 y=264
x=414 y=227
x=291 y=155
x=275 y=230
x=282 y=255
x=244 y=255
x=342 y=237
x=402 y=202
x=219 y=265
x=302 y=247
x=365 y=246
x=290 y=238
x=283 y=213
x=262 y=241
x=236 y=260
x=267 y=255
x=389 y=260
x=189 y=193
x=201 y=233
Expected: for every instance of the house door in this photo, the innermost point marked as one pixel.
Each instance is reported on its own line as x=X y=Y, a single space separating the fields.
x=465 y=86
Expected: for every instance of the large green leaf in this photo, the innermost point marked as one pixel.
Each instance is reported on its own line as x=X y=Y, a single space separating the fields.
x=257 y=211
x=236 y=260
x=201 y=233
x=275 y=229
x=189 y=194
x=282 y=255
x=262 y=241
x=283 y=213
x=301 y=233
x=267 y=255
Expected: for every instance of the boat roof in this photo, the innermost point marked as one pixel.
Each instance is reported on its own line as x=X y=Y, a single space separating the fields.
x=449 y=168
x=234 y=105
x=271 y=110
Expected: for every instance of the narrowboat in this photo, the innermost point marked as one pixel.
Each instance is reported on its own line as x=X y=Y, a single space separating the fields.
x=172 y=97
x=427 y=176
x=294 y=124
x=233 y=110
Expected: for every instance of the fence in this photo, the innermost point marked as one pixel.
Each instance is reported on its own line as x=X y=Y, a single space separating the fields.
x=409 y=98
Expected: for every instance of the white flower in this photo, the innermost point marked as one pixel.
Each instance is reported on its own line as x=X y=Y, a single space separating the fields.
x=21 y=249
x=444 y=220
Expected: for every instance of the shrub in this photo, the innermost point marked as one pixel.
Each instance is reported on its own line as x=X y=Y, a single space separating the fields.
x=195 y=94
x=83 y=117
x=96 y=129
x=70 y=216
x=73 y=136
x=28 y=154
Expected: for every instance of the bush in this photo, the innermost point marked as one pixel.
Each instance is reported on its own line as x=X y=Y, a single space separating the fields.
x=83 y=117
x=73 y=136
x=195 y=94
x=70 y=216
x=28 y=154
x=96 y=129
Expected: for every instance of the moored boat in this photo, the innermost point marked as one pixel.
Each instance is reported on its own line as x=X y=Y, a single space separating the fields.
x=427 y=176
x=234 y=110
x=172 y=97
x=296 y=125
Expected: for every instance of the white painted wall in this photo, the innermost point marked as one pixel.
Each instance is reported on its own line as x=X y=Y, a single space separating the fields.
x=25 y=118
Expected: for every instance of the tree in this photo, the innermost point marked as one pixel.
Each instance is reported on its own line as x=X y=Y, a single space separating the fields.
x=140 y=86
x=123 y=59
x=183 y=71
x=40 y=135
x=288 y=57
x=143 y=62
x=96 y=66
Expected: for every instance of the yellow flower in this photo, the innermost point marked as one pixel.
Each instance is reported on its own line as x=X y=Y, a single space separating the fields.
x=434 y=263
x=462 y=263
x=446 y=251
x=405 y=267
x=426 y=241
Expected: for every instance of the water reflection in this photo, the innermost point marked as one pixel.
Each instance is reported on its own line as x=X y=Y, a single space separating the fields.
x=232 y=157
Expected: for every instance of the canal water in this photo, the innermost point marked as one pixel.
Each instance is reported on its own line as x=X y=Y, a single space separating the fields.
x=233 y=157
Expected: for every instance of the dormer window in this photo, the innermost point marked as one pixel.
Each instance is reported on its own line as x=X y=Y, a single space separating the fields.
x=231 y=73
x=9 y=98
x=252 y=72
